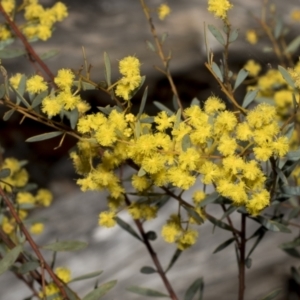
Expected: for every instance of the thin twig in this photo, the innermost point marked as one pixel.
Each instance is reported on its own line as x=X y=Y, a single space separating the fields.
x=242 y=249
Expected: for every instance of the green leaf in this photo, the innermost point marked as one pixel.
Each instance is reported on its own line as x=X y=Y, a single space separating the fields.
x=248 y=262
x=272 y=295
x=233 y=35
x=195 y=101
x=272 y=225
x=143 y=102
x=127 y=228
x=294 y=213
x=9 y=259
x=278 y=28
x=5 y=43
x=186 y=142
x=163 y=107
x=219 y=223
x=293 y=45
x=197 y=285
x=211 y=198
x=261 y=232
x=295 y=274
x=66 y=246
x=151 y=235
x=241 y=76
x=217 y=71
x=292 y=252
x=49 y=54
x=287 y=77
x=29 y=266
x=229 y=211
x=100 y=291
x=173 y=260
x=290 y=245
x=194 y=214
x=107 y=68
x=145 y=292
x=217 y=34
x=150 y=46
x=4 y=173
x=224 y=245
x=73 y=117
x=11 y=53
x=38 y=99
x=291 y=190
x=164 y=37
x=175 y=103
x=147 y=270
x=8 y=114
x=87 y=276
x=250 y=96
x=44 y=136
x=141 y=172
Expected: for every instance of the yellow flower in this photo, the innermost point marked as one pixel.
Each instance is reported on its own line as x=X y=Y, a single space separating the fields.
x=64 y=78
x=251 y=36
x=43 y=197
x=8 y=5
x=163 y=121
x=163 y=11
x=140 y=183
x=37 y=228
x=51 y=107
x=60 y=11
x=198 y=197
x=63 y=274
x=33 y=11
x=213 y=104
x=129 y=66
x=7 y=225
x=15 y=80
x=187 y=239
x=295 y=15
x=258 y=202
x=252 y=67
x=226 y=121
x=68 y=100
x=5 y=33
x=107 y=219
x=170 y=232
x=36 y=84
x=30 y=31
x=25 y=198
x=44 y=32
x=219 y=8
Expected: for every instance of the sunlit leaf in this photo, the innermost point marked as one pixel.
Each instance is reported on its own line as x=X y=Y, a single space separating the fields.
x=194 y=214
x=219 y=223
x=163 y=107
x=278 y=28
x=66 y=246
x=241 y=76
x=217 y=34
x=107 y=68
x=217 y=71
x=44 y=136
x=38 y=99
x=150 y=46
x=145 y=292
x=211 y=198
x=250 y=96
x=272 y=225
x=164 y=37
x=197 y=285
x=127 y=228
x=287 y=77
x=100 y=291
x=233 y=35
x=195 y=101
x=293 y=45
x=9 y=259
x=186 y=142
x=73 y=117
x=143 y=102
x=8 y=114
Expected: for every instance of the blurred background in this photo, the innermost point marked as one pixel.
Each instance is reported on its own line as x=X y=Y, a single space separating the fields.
x=119 y=28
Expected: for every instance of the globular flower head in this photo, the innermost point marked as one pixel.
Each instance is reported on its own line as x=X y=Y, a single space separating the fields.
x=163 y=11
x=219 y=8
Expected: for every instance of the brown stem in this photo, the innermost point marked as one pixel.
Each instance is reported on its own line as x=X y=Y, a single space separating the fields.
x=242 y=249
x=33 y=244
x=165 y=60
x=32 y=54
x=153 y=255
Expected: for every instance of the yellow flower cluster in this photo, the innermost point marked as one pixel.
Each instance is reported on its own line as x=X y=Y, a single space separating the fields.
x=163 y=11
x=51 y=289
x=251 y=36
x=64 y=98
x=219 y=8
x=40 y=20
x=252 y=67
x=212 y=144
x=18 y=178
x=130 y=69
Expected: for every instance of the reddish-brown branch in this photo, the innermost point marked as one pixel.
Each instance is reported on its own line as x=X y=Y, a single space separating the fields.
x=32 y=243
x=32 y=54
x=154 y=257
